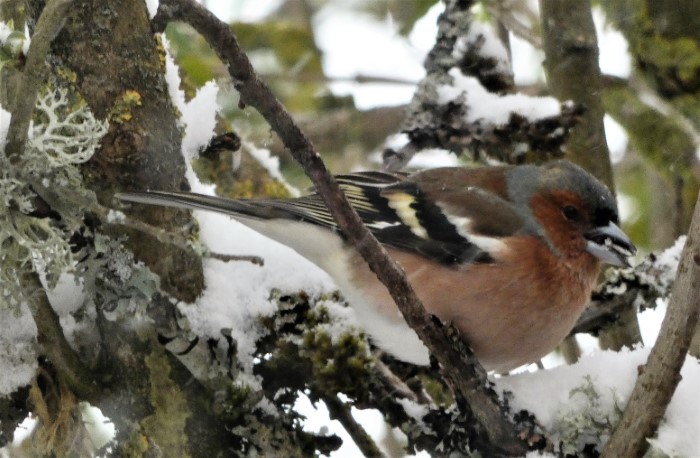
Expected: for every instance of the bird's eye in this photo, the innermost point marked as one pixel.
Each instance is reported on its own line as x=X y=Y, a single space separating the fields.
x=571 y=213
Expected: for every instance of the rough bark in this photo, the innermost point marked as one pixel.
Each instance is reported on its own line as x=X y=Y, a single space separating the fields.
x=661 y=374
x=571 y=58
x=119 y=71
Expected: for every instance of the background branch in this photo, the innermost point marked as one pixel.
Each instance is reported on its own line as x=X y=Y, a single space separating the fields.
x=571 y=49
x=658 y=381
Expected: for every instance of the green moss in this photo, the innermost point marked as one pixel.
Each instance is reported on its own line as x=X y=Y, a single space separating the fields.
x=672 y=61
x=167 y=424
x=136 y=446
x=340 y=364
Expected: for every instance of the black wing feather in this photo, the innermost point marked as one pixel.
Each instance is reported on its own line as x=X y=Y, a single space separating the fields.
x=365 y=191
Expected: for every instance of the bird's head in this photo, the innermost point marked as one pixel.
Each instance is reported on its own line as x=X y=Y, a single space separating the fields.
x=577 y=213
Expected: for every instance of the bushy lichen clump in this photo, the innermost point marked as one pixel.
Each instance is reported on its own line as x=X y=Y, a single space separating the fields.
x=63 y=134
x=588 y=427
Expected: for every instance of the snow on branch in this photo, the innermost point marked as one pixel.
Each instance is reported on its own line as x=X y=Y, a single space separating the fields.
x=466 y=103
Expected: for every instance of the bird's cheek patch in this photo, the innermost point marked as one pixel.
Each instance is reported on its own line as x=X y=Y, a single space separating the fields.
x=401 y=203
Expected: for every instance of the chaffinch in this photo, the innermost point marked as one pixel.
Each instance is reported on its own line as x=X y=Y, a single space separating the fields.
x=509 y=254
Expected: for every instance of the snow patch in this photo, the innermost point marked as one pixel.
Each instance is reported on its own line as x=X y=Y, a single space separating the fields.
x=551 y=395
x=484 y=106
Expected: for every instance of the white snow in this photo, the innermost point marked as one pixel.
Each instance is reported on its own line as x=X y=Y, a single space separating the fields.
x=152 y=6
x=238 y=291
x=486 y=106
x=490 y=45
x=614 y=58
x=5 y=117
x=668 y=260
x=548 y=395
x=242 y=10
x=17 y=349
x=365 y=54
x=664 y=268
x=433 y=157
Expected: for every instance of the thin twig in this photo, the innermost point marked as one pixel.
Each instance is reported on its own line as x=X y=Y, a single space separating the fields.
x=257 y=260
x=359 y=78
x=509 y=14
x=53 y=343
x=657 y=383
x=34 y=76
x=463 y=371
x=396 y=385
x=173 y=238
x=340 y=411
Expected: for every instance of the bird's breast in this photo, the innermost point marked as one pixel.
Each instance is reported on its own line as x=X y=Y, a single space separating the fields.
x=512 y=311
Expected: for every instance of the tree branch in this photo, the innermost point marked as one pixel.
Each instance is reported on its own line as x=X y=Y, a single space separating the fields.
x=430 y=123
x=463 y=370
x=52 y=341
x=34 y=76
x=641 y=285
x=340 y=411
x=657 y=383
x=571 y=49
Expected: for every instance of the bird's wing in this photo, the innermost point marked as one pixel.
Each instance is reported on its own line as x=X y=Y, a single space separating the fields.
x=451 y=225
x=459 y=223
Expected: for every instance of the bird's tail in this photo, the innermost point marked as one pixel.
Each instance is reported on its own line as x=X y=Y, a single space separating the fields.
x=192 y=201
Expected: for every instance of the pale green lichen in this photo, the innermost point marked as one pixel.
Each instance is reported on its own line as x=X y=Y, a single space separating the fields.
x=63 y=135
x=115 y=281
x=589 y=425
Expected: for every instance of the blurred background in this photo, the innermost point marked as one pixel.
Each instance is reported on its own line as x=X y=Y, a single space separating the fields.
x=348 y=68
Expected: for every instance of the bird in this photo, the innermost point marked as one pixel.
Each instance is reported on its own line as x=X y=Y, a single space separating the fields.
x=509 y=254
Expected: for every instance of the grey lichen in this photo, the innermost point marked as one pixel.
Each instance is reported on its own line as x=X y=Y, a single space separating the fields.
x=589 y=425
x=63 y=135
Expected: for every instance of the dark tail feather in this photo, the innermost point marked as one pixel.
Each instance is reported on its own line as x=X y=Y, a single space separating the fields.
x=192 y=201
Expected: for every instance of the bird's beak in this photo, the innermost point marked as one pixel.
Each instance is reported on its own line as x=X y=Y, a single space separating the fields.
x=610 y=245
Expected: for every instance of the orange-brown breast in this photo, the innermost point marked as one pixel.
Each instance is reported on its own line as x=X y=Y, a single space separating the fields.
x=513 y=311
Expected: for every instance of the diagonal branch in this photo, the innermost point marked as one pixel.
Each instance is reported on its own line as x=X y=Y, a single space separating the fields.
x=52 y=341
x=657 y=383
x=462 y=369
x=340 y=411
